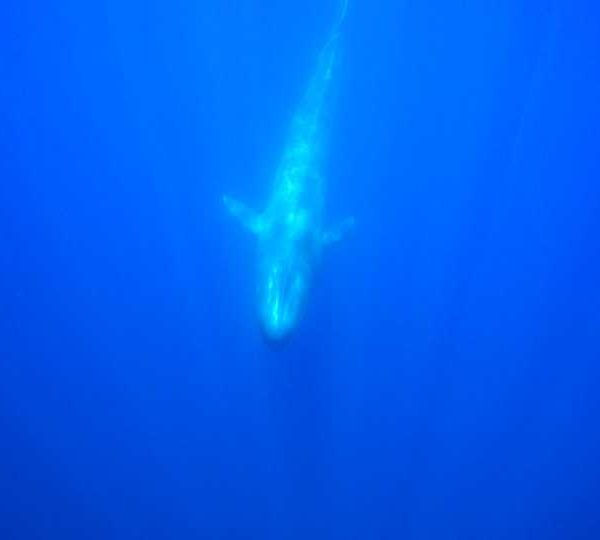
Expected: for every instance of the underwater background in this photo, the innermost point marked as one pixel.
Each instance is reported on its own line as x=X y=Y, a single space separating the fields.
x=444 y=382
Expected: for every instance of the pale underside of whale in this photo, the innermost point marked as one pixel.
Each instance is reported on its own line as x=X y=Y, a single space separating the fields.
x=290 y=230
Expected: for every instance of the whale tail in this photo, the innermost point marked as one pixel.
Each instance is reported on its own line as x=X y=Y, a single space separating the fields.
x=341 y=16
x=334 y=33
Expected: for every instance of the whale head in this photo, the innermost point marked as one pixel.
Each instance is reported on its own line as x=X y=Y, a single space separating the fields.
x=290 y=246
x=284 y=277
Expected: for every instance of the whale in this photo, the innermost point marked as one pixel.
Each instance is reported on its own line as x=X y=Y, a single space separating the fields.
x=291 y=233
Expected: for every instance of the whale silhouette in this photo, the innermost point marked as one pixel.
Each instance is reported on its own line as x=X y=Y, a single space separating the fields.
x=290 y=231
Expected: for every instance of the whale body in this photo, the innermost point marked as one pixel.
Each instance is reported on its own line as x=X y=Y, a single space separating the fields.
x=290 y=231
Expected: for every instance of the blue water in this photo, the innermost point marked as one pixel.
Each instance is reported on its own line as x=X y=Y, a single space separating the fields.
x=444 y=383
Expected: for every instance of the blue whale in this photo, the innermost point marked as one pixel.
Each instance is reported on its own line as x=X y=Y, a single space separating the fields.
x=290 y=231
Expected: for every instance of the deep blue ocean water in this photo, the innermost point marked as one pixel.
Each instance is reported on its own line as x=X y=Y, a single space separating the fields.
x=444 y=383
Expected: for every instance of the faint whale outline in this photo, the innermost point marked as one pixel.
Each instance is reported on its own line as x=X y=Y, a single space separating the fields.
x=290 y=231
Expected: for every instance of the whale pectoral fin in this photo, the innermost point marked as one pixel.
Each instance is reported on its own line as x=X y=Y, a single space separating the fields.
x=336 y=233
x=250 y=219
